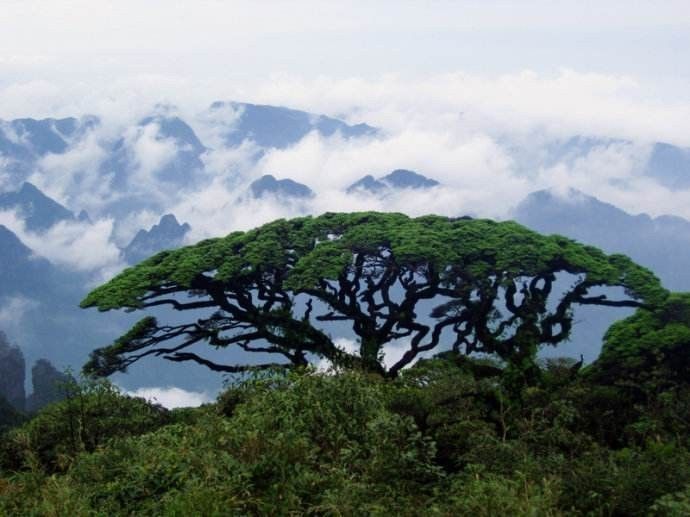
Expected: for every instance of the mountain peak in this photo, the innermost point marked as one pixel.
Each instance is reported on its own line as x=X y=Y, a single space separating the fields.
x=403 y=178
x=268 y=184
x=173 y=127
x=659 y=243
x=29 y=189
x=167 y=234
x=398 y=179
x=168 y=221
x=38 y=211
x=368 y=183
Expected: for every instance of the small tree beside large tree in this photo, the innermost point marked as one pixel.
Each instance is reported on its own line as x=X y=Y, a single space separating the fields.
x=470 y=285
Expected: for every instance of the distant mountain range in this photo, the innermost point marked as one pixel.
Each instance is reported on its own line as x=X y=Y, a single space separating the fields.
x=180 y=153
x=26 y=137
x=662 y=244
x=290 y=189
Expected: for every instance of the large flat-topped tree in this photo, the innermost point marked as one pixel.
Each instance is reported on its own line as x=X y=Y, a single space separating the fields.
x=429 y=282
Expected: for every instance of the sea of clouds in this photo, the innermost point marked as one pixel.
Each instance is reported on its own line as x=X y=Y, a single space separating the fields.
x=482 y=137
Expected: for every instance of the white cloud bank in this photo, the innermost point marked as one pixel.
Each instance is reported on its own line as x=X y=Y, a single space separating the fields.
x=76 y=245
x=172 y=397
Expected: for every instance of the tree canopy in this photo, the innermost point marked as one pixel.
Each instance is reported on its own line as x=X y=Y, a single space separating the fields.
x=472 y=285
x=651 y=347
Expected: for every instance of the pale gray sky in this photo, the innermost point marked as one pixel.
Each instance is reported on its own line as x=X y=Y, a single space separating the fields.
x=248 y=40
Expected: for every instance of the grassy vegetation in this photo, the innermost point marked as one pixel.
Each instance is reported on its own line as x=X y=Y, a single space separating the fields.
x=445 y=438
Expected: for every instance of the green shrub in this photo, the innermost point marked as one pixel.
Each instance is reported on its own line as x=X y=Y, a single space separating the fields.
x=484 y=494
x=676 y=504
x=443 y=439
x=93 y=413
x=625 y=482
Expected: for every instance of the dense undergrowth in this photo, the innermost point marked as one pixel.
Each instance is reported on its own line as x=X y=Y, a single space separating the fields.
x=443 y=439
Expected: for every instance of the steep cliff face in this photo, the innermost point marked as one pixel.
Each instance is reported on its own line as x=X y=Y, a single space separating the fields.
x=12 y=374
x=48 y=383
x=167 y=234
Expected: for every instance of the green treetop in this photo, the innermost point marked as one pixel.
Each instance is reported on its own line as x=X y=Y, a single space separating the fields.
x=468 y=284
x=649 y=349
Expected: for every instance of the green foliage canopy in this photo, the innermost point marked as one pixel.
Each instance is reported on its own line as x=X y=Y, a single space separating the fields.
x=268 y=289
x=650 y=347
x=441 y=439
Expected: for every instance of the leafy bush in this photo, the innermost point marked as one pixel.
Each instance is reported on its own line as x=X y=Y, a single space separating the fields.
x=93 y=413
x=446 y=438
x=489 y=495
x=676 y=504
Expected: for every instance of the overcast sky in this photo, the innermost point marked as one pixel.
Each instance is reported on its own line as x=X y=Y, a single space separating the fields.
x=250 y=41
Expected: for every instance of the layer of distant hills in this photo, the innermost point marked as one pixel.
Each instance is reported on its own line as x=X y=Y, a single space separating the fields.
x=44 y=295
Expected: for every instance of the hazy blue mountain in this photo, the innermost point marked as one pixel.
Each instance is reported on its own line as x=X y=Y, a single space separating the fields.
x=23 y=141
x=177 y=129
x=45 y=136
x=187 y=161
x=37 y=210
x=287 y=188
x=670 y=166
x=662 y=244
x=278 y=127
x=398 y=179
x=167 y=234
x=401 y=178
x=40 y=302
x=21 y=272
x=182 y=167
x=12 y=373
x=367 y=183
